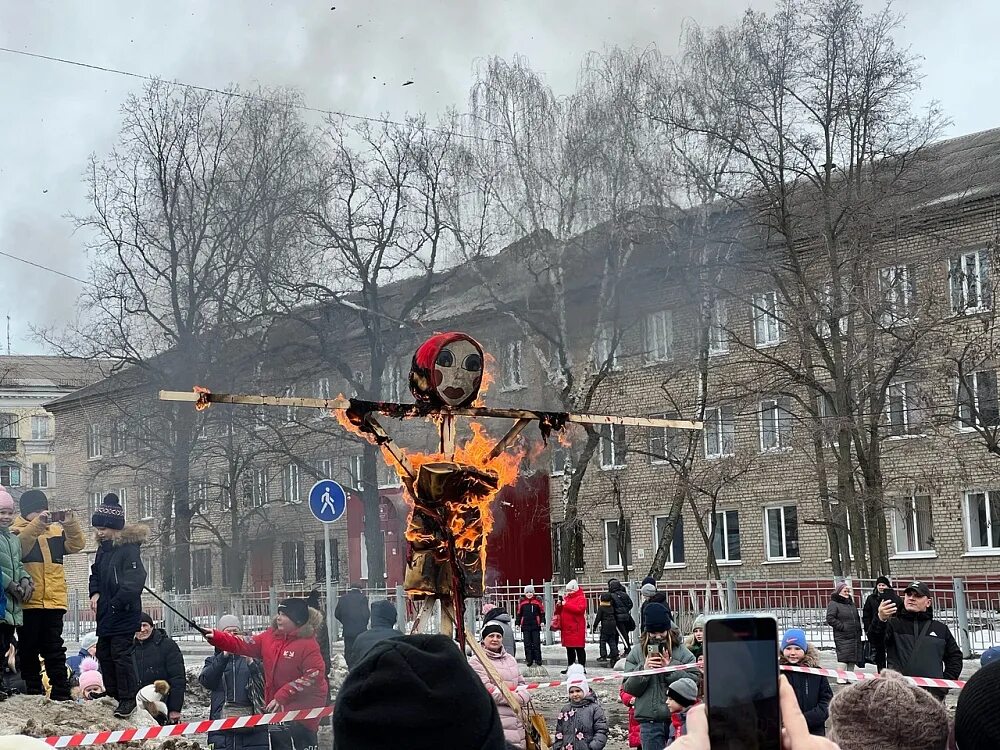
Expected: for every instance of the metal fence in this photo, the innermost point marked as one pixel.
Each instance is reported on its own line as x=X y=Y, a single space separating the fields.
x=970 y=605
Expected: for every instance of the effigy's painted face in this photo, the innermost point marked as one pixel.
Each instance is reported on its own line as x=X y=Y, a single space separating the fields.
x=458 y=372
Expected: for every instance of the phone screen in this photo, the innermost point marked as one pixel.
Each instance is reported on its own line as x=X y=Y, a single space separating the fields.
x=741 y=683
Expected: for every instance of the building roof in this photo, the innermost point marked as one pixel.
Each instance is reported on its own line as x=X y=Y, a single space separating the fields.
x=51 y=372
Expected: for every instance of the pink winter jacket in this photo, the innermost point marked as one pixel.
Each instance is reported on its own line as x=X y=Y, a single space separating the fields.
x=505 y=665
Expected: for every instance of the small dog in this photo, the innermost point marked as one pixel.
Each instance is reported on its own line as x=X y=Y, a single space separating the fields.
x=151 y=698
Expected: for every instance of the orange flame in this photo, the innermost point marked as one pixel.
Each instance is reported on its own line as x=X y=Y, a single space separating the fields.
x=489 y=363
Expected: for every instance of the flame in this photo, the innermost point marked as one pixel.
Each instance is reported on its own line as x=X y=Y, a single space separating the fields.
x=489 y=362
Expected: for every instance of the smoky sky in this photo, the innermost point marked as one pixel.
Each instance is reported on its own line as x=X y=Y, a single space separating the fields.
x=348 y=56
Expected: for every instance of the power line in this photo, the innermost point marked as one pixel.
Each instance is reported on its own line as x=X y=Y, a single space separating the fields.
x=46 y=268
x=239 y=95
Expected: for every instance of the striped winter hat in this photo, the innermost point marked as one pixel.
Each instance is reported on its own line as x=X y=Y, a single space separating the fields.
x=109 y=514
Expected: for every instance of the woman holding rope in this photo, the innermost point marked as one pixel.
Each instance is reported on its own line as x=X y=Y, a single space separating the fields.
x=504 y=666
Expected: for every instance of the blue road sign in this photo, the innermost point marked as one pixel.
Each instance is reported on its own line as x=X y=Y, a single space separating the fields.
x=327 y=501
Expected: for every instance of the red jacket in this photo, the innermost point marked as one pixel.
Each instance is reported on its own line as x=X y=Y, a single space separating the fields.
x=574 y=620
x=634 y=736
x=294 y=672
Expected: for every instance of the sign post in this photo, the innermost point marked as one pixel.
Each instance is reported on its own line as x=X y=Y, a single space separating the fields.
x=328 y=503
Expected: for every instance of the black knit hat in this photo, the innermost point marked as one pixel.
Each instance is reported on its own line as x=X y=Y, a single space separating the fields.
x=426 y=686
x=295 y=610
x=109 y=514
x=684 y=691
x=144 y=617
x=33 y=501
x=977 y=724
x=490 y=627
x=657 y=618
x=882 y=579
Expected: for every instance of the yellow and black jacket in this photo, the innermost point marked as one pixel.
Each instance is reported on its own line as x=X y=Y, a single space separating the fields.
x=42 y=551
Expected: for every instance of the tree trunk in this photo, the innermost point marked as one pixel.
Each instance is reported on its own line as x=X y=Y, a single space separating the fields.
x=667 y=538
x=571 y=505
x=374 y=543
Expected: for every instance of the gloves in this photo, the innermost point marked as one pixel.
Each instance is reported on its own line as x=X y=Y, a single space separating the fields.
x=12 y=590
x=523 y=695
x=27 y=588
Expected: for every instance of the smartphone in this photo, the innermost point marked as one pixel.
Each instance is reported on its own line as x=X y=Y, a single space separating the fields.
x=741 y=683
x=57 y=516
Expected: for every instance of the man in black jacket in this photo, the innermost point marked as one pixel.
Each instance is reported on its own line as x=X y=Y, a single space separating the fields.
x=915 y=643
x=623 y=610
x=383 y=627
x=869 y=613
x=352 y=612
x=157 y=657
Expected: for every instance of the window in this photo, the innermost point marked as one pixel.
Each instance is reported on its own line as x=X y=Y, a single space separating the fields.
x=897 y=409
x=119 y=437
x=226 y=487
x=826 y=313
x=675 y=555
x=662 y=441
x=659 y=334
x=293 y=562
x=41 y=428
x=969 y=282
x=201 y=567
x=983 y=509
x=613 y=545
x=319 y=556
x=199 y=493
x=606 y=347
x=147 y=502
x=510 y=365
x=388 y=476
x=260 y=494
x=977 y=400
x=912 y=525
x=726 y=536
x=10 y=475
x=775 y=425
x=391 y=383
x=612 y=446
x=8 y=425
x=40 y=475
x=835 y=525
x=259 y=418
x=558 y=456
x=720 y=432
x=827 y=419
x=323 y=388
x=766 y=326
x=897 y=287
x=718 y=336
x=324 y=467
x=576 y=545
x=781 y=528
x=291 y=412
x=357 y=470
x=94 y=441
x=142 y=435
x=290 y=483
x=93 y=500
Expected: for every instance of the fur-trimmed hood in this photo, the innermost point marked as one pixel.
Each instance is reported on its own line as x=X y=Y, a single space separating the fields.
x=311 y=627
x=135 y=533
x=811 y=659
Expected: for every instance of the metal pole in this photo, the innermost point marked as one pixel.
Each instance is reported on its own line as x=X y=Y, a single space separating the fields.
x=401 y=622
x=549 y=609
x=328 y=565
x=963 y=618
x=272 y=601
x=731 y=601
x=334 y=623
x=633 y=594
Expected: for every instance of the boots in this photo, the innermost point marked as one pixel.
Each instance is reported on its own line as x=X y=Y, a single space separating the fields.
x=125 y=709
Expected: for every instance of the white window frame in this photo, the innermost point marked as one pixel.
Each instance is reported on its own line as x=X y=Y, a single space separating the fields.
x=40 y=474
x=93 y=500
x=297 y=546
x=260 y=495
x=974 y=389
x=718 y=336
x=721 y=525
x=324 y=467
x=291 y=412
x=717 y=417
x=613 y=447
x=658 y=332
x=41 y=420
x=558 y=455
x=966 y=290
x=147 y=502
x=992 y=501
x=204 y=555
x=9 y=425
x=604 y=337
x=658 y=439
x=324 y=391
x=388 y=477
x=95 y=448
x=905 y=522
x=774 y=412
x=897 y=287
x=122 y=493
x=259 y=418
x=510 y=366
x=825 y=312
x=392 y=387
x=199 y=492
x=899 y=392
x=357 y=465
x=119 y=437
x=607 y=544
x=291 y=484
x=785 y=542
x=671 y=561
x=13 y=471
x=766 y=321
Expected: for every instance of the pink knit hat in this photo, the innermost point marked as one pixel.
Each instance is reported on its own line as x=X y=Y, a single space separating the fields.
x=6 y=501
x=90 y=676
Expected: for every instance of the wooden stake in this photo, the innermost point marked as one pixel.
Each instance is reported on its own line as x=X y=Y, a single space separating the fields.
x=507 y=439
x=447 y=444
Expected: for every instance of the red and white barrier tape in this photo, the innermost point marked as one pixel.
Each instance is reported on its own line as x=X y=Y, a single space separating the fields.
x=845 y=675
x=197 y=727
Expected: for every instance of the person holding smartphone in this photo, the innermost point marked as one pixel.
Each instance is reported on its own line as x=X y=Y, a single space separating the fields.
x=659 y=646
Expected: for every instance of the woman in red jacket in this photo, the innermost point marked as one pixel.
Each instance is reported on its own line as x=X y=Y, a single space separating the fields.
x=573 y=620
x=294 y=673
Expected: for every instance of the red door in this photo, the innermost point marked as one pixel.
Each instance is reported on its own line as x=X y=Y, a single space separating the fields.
x=262 y=565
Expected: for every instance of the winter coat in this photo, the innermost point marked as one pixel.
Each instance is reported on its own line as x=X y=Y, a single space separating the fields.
x=678 y=725
x=118 y=575
x=530 y=613
x=353 y=613
x=501 y=618
x=813 y=692
x=842 y=615
x=869 y=612
x=650 y=691
x=693 y=646
x=293 y=664
x=11 y=569
x=505 y=666
x=42 y=550
x=383 y=628
x=581 y=726
x=74 y=662
x=159 y=658
x=660 y=597
x=228 y=677
x=937 y=656
x=605 y=620
x=573 y=620
x=634 y=736
x=623 y=605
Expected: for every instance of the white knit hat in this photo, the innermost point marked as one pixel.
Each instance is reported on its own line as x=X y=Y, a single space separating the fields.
x=576 y=676
x=573 y=585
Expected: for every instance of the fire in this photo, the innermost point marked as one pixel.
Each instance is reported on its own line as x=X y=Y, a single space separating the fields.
x=489 y=363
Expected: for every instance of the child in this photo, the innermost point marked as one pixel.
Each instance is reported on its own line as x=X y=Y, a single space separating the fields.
x=696 y=641
x=681 y=695
x=605 y=621
x=581 y=725
x=117 y=578
x=812 y=690
x=531 y=618
x=628 y=699
x=91 y=683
